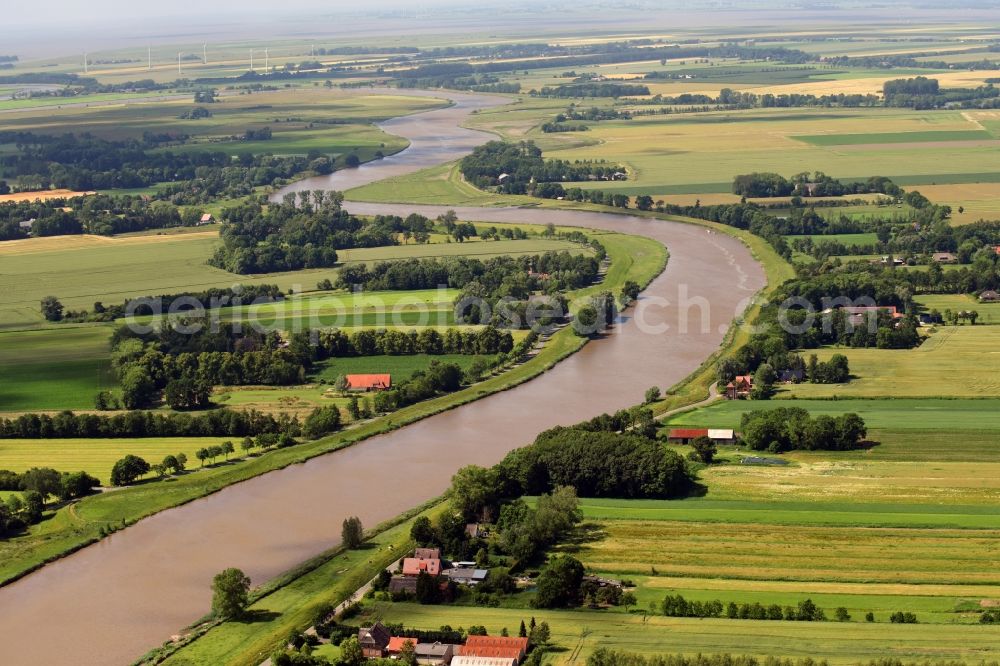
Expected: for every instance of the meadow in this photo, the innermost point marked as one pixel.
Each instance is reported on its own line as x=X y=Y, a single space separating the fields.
x=903 y=414
x=56 y=368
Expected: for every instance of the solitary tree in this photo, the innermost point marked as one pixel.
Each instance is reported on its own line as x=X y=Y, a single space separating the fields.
x=352 y=533
x=652 y=394
x=128 y=469
x=230 y=593
x=52 y=309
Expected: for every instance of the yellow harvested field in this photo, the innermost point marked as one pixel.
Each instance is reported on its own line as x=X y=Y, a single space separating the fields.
x=85 y=241
x=45 y=195
x=962 y=79
x=979 y=200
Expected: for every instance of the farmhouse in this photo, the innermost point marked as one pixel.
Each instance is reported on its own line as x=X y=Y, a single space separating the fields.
x=792 y=376
x=369 y=382
x=206 y=219
x=403 y=585
x=945 y=258
x=857 y=315
x=374 y=640
x=989 y=296
x=739 y=388
x=26 y=224
x=466 y=575
x=424 y=560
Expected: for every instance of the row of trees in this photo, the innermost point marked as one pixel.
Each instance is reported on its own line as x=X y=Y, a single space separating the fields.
x=818 y=184
x=494 y=278
x=678 y=606
x=217 y=423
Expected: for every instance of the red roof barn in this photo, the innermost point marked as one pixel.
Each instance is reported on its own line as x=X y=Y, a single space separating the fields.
x=369 y=382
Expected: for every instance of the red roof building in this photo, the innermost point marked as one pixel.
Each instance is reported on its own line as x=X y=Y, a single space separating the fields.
x=396 y=643
x=508 y=647
x=685 y=435
x=414 y=566
x=369 y=382
x=740 y=387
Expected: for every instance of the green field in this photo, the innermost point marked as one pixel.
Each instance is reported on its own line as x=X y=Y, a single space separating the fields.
x=56 y=368
x=895 y=137
x=902 y=414
x=83 y=269
x=989 y=313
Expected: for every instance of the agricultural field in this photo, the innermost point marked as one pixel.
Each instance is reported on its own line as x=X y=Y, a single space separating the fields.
x=53 y=369
x=953 y=361
x=83 y=269
x=989 y=313
x=904 y=414
x=97 y=456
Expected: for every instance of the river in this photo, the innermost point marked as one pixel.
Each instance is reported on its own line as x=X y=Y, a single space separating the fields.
x=110 y=602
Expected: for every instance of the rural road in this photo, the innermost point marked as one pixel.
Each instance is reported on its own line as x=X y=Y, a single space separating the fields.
x=114 y=600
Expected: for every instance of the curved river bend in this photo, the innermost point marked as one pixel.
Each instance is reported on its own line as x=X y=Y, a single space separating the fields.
x=112 y=601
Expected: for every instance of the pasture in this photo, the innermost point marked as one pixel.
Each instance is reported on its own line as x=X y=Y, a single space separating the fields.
x=902 y=414
x=952 y=362
x=989 y=313
x=56 y=368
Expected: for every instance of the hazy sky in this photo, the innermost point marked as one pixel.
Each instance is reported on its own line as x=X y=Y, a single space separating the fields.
x=68 y=12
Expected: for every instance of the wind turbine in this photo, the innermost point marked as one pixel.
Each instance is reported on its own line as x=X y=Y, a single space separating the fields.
x=84 y=63
x=149 y=58
x=204 y=53
x=178 y=63
x=265 y=61
x=251 y=60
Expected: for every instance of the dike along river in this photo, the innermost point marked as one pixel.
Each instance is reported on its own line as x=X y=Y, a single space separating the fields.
x=109 y=603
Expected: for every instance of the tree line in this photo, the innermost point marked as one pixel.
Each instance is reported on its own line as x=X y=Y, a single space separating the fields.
x=678 y=606
x=139 y=424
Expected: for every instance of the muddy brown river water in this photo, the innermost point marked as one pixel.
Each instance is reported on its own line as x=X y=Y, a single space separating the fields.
x=109 y=603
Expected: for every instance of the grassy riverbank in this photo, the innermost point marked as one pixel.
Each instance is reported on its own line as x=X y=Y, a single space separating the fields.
x=78 y=525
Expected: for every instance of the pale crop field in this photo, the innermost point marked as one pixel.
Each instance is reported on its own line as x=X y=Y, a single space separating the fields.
x=953 y=361
x=696 y=153
x=98 y=456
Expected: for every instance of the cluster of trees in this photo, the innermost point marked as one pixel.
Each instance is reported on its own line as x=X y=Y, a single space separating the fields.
x=439 y=378
x=85 y=162
x=818 y=184
x=186 y=303
x=368 y=342
x=563 y=122
x=678 y=606
x=518 y=168
x=594 y=89
x=217 y=423
x=597 y=464
x=101 y=214
x=791 y=428
x=923 y=93
x=490 y=279
x=38 y=484
x=186 y=375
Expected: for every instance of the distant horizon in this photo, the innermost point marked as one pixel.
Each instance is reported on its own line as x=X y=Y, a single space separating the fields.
x=29 y=36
